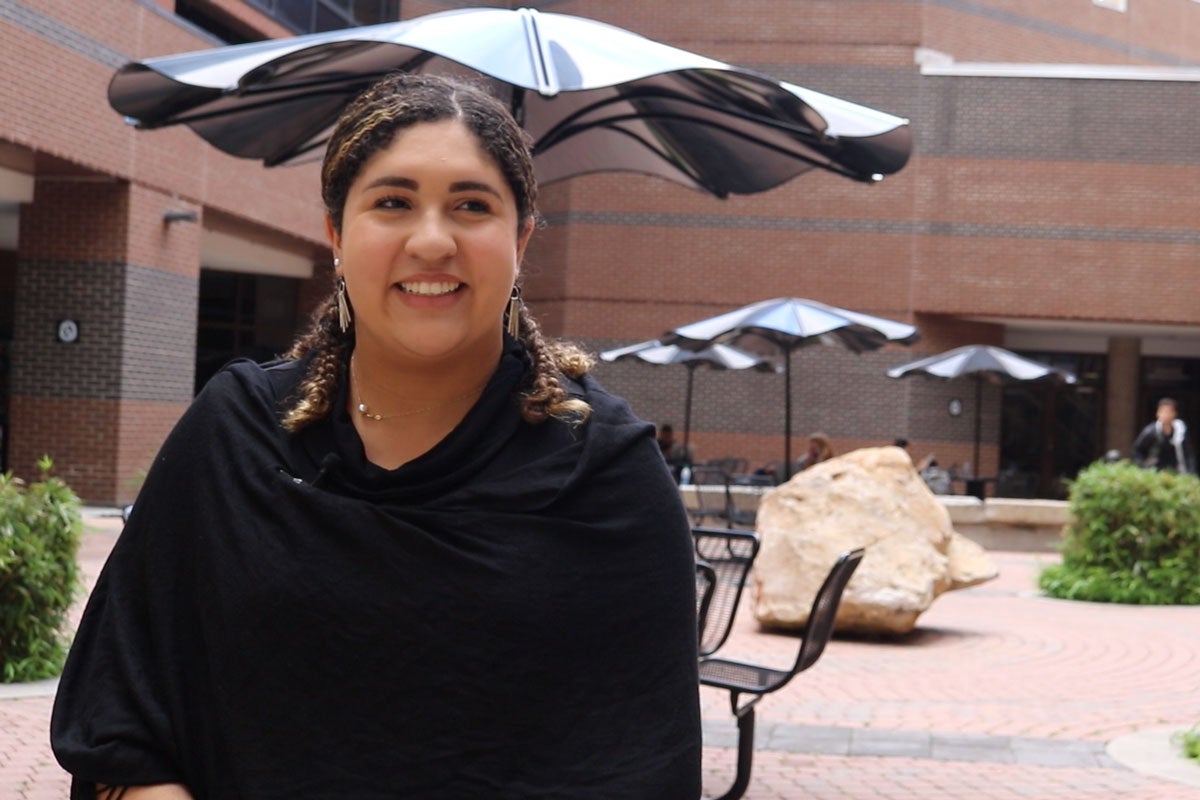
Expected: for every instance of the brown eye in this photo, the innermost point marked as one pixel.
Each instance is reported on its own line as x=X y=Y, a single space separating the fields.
x=392 y=203
x=478 y=206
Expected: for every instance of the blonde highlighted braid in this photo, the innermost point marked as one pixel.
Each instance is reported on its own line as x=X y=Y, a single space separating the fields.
x=331 y=349
x=369 y=124
x=545 y=396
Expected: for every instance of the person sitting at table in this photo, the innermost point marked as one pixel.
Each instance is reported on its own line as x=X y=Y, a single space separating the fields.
x=674 y=452
x=818 y=451
x=937 y=479
x=922 y=465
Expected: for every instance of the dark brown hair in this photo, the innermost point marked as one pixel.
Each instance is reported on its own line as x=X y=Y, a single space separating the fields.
x=370 y=124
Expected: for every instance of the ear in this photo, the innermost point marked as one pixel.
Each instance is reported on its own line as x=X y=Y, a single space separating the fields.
x=523 y=240
x=335 y=238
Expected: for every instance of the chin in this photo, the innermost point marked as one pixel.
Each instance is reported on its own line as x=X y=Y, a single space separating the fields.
x=434 y=347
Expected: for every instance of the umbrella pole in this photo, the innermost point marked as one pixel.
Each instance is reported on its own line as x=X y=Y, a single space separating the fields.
x=978 y=424
x=787 y=415
x=687 y=411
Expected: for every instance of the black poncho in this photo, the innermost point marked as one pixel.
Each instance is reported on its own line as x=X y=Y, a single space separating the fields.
x=509 y=616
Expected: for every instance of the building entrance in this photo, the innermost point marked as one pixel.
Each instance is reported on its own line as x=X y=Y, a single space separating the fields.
x=1050 y=431
x=242 y=316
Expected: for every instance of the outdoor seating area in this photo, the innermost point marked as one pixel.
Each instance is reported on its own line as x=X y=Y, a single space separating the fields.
x=724 y=558
x=717 y=496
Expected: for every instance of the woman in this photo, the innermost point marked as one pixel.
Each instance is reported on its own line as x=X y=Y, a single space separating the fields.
x=424 y=556
x=818 y=451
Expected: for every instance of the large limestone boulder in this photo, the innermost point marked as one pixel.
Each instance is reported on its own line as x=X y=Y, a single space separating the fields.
x=870 y=498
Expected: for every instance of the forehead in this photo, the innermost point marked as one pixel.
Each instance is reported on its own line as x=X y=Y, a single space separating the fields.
x=442 y=146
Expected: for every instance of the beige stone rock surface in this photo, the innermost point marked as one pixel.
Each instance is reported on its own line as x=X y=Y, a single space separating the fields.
x=871 y=498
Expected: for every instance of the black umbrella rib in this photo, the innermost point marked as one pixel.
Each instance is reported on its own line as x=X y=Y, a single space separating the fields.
x=293 y=150
x=655 y=148
x=832 y=166
x=348 y=77
x=310 y=87
x=265 y=102
x=636 y=95
x=568 y=126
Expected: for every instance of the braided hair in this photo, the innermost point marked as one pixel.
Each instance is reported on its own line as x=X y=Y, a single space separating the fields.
x=369 y=124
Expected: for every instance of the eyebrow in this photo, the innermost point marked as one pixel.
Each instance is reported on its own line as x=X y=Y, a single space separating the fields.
x=409 y=183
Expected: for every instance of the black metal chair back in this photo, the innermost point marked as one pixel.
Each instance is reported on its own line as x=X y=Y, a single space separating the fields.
x=730 y=554
x=711 y=506
x=706 y=581
x=821 y=618
x=744 y=678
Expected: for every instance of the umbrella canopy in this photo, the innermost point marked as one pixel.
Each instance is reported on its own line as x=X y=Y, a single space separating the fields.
x=593 y=96
x=787 y=324
x=981 y=362
x=719 y=356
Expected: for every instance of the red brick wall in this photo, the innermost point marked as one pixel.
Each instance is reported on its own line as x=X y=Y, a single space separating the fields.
x=55 y=76
x=142 y=427
x=79 y=434
x=99 y=253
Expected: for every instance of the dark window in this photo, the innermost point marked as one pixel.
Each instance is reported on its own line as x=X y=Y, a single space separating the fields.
x=213 y=20
x=312 y=16
x=1049 y=431
x=242 y=316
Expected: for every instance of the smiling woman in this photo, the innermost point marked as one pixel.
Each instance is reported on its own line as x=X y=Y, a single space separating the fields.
x=429 y=244
x=379 y=567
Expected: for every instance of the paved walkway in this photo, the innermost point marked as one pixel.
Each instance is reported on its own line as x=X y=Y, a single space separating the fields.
x=998 y=695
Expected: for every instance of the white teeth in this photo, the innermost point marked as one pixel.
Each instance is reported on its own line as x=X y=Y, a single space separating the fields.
x=430 y=288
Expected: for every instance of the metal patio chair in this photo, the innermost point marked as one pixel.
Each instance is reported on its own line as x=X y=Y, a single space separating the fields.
x=742 y=678
x=706 y=582
x=710 y=506
x=730 y=554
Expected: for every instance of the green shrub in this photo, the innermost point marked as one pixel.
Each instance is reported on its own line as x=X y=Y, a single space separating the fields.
x=1134 y=538
x=40 y=528
x=1189 y=742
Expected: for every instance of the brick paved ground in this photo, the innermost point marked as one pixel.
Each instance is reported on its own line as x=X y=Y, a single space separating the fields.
x=999 y=695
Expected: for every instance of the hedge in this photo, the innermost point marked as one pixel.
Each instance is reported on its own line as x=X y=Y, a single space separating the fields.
x=40 y=529
x=1134 y=538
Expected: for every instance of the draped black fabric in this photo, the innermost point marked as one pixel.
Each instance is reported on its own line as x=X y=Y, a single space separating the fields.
x=509 y=616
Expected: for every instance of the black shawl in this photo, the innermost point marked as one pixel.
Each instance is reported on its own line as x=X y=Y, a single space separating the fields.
x=509 y=616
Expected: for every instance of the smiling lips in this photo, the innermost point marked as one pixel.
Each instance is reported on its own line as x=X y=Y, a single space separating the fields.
x=431 y=288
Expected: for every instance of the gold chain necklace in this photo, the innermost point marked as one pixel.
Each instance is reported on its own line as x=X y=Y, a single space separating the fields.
x=364 y=410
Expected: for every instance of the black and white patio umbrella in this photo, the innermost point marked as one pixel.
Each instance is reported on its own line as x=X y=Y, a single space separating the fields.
x=719 y=356
x=981 y=362
x=787 y=324
x=593 y=96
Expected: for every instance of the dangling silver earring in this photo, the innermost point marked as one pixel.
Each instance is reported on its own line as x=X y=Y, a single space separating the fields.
x=343 y=308
x=514 y=313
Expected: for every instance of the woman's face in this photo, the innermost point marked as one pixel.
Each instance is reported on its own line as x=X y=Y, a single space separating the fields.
x=429 y=247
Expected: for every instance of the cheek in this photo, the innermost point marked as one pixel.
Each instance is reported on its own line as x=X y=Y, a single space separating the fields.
x=506 y=257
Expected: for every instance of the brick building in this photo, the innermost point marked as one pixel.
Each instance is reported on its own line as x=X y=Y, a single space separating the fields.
x=1049 y=207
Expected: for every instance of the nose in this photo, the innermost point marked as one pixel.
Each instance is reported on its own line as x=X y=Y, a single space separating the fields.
x=431 y=237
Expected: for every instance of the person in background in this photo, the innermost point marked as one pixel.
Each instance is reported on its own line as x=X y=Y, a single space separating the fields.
x=924 y=464
x=673 y=451
x=1164 y=444
x=818 y=451
x=382 y=566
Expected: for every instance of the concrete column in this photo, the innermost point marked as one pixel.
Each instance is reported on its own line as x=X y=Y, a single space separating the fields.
x=97 y=252
x=1121 y=393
